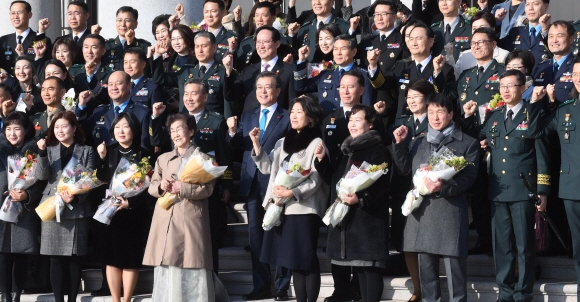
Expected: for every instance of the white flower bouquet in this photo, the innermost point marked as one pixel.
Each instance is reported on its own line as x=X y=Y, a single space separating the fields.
x=20 y=177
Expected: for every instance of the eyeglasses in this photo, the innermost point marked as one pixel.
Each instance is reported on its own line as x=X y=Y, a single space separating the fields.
x=414 y=97
x=76 y=14
x=576 y=74
x=162 y=31
x=267 y=87
x=178 y=129
x=264 y=42
x=479 y=43
x=21 y=13
x=509 y=86
x=382 y=15
x=514 y=67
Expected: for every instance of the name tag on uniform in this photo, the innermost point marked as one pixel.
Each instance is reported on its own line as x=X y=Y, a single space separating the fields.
x=541 y=43
x=330 y=126
x=369 y=48
x=539 y=80
x=403 y=81
x=517 y=42
x=327 y=81
x=142 y=92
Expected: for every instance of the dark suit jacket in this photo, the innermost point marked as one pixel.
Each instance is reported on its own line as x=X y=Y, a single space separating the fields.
x=98 y=87
x=8 y=42
x=460 y=38
x=519 y=38
x=562 y=79
x=146 y=92
x=334 y=130
x=275 y=130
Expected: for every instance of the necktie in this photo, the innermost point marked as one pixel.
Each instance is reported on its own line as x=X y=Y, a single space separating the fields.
x=340 y=72
x=479 y=72
x=117 y=110
x=347 y=115
x=263 y=120
x=265 y=67
x=556 y=67
x=19 y=39
x=419 y=66
x=447 y=32
x=508 y=120
x=417 y=123
x=132 y=85
x=76 y=39
x=202 y=70
x=383 y=38
x=49 y=116
x=532 y=34
x=320 y=24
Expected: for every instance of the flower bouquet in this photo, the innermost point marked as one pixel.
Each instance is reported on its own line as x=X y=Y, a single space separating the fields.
x=443 y=165
x=68 y=100
x=195 y=28
x=355 y=180
x=199 y=169
x=485 y=109
x=75 y=179
x=468 y=12
x=314 y=69
x=282 y=23
x=20 y=177
x=129 y=180
x=288 y=177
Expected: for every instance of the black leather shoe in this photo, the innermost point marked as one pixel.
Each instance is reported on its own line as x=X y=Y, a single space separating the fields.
x=258 y=295
x=334 y=298
x=15 y=297
x=101 y=292
x=281 y=295
x=479 y=248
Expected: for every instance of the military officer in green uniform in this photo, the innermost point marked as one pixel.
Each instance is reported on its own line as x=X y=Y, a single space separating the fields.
x=226 y=40
x=208 y=69
x=506 y=135
x=576 y=43
x=210 y=137
x=126 y=23
x=563 y=124
x=306 y=34
x=52 y=91
x=453 y=33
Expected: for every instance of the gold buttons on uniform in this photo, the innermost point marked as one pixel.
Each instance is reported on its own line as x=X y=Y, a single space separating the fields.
x=505 y=149
x=503 y=160
x=503 y=172
x=507 y=137
x=477 y=92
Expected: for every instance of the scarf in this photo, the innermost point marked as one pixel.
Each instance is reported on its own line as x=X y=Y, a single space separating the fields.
x=435 y=137
x=297 y=141
x=363 y=141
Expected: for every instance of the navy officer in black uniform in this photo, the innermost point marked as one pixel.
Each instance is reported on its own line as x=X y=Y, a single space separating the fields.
x=453 y=34
x=98 y=124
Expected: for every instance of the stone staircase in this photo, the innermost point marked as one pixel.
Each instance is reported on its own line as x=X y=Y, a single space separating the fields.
x=557 y=282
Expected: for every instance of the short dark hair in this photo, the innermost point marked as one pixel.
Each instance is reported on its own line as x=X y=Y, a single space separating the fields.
x=527 y=58
x=330 y=28
x=25 y=58
x=80 y=4
x=230 y=4
x=137 y=51
x=204 y=34
x=269 y=74
x=488 y=31
x=98 y=38
x=70 y=44
x=27 y=6
x=346 y=37
x=68 y=82
x=128 y=9
x=266 y=4
x=409 y=24
x=220 y=3
x=486 y=16
x=310 y=107
x=423 y=86
x=440 y=100
x=392 y=7
x=18 y=118
x=203 y=84
x=6 y=89
x=79 y=134
x=188 y=119
x=569 y=27
x=161 y=19
x=370 y=114
x=134 y=124
x=275 y=33
x=59 y=82
x=520 y=77
x=428 y=31
x=360 y=78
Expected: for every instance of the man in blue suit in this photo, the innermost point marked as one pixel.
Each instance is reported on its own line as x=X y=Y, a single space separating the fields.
x=273 y=122
x=507 y=14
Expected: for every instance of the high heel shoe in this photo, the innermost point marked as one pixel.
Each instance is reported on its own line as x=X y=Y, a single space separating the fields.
x=5 y=297
x=415 y=298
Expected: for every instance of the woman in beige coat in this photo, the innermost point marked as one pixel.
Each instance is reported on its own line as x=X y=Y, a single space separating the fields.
x=179 y=244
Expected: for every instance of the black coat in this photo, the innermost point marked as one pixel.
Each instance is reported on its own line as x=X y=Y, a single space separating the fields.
x=363 y=234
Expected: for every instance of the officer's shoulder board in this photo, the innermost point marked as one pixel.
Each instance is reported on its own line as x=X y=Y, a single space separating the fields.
x=79 y=66
x=306 y=23
x=216 y=114
x=340 y=20
x=436 y=24
x=248 y=38
x=570 y=101
x=107 y=69
x=112 y=40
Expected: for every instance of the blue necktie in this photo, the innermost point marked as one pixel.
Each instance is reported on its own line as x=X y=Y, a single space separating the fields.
x=340 y=72
x=556 y=66
x=532 y=34
x=263 y=123
x=117 y=110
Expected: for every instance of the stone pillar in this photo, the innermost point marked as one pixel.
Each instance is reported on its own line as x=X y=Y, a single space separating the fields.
x=40 y=9
x=148 y=10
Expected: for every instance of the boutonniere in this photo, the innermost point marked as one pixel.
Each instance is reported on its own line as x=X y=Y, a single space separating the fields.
x=175 y=68
x=279 y=117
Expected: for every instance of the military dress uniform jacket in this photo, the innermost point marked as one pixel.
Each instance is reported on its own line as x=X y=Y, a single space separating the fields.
x=98 y=85
x=147 y=93
x=114 y=57
x=562 y=79
x=218 y=101
x=327 y=84
x=8 y=43
x=247 y=55
x=514 y=151
x=222 y=44
x=334 y=129
x=482 y=91
x=245 y=83
x=519 y=38
x=97 y=125
x=39 y=121
x=307 y=34
x=460 y=38
x=396 y=80
x=576 y=43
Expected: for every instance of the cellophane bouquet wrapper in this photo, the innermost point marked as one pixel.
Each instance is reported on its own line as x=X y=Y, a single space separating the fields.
x=443 y=164
x=20 y=177
x=199 y=169
x=130 y=179
x=75 y=179
x=289 y=176
x=355 y=180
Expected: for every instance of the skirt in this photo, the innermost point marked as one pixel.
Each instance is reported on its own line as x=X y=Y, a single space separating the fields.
x=65 y=238
x=175 y=284
x=123 y=240
x=293 y=243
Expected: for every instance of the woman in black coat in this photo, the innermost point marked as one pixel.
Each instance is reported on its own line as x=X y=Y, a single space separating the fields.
x=20 y=239
x=361 y=239
x=123 y=245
